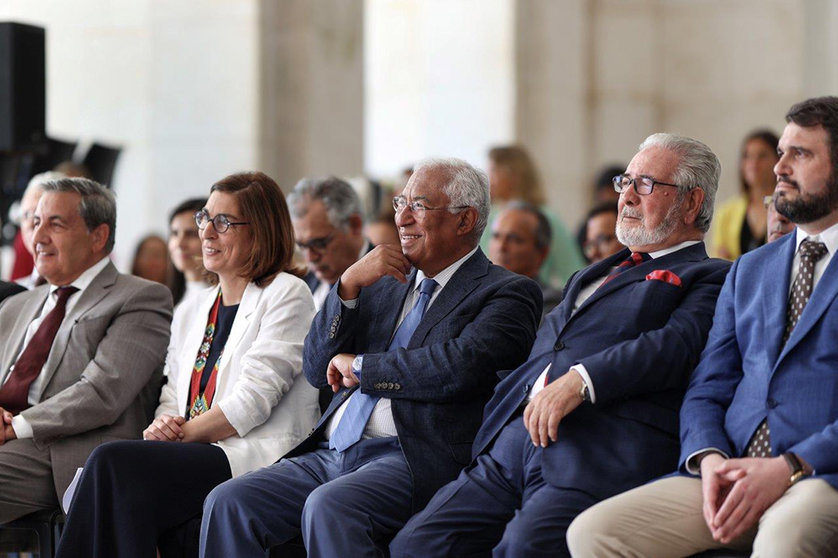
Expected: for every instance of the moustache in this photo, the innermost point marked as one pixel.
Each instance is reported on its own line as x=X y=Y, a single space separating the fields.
x=789 y=181
x=631 y=212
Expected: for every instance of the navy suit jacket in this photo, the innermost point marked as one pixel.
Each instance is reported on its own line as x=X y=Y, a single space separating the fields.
x=639 y=340
x=483 y=320
x=745 y=376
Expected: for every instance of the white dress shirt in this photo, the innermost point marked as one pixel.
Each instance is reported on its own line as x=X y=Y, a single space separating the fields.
x=381 y=423
x=22 y=428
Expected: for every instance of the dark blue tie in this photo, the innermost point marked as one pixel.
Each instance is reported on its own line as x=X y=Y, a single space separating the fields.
x=359 y=408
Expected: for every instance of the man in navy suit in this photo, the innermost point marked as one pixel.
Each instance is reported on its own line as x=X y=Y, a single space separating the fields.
x=594 y=410
x=412 y=357
x=759 y=422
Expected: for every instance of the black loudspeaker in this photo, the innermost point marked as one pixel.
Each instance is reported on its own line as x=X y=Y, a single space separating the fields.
x=22 y=86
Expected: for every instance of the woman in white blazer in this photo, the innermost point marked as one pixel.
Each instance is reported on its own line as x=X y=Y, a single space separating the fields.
x=235 y=400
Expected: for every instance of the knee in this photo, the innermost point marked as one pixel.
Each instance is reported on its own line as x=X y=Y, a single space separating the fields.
x=322 y=506
x=586 y=531
x=226 y=496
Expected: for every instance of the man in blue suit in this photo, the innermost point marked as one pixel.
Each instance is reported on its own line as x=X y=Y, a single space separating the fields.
x=423 y=346
x=759 y=422
x=594 y=410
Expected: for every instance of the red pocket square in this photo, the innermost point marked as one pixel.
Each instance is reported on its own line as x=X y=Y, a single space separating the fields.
x=664 y=275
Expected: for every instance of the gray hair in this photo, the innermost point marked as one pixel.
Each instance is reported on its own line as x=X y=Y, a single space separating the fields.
x=543 y=230
x=698 y=167
x=97 y=205
x=339 y=198
x=466 y=187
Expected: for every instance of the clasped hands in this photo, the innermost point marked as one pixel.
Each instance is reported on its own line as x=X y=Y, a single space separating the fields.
x=736 y=492
x=543 y=414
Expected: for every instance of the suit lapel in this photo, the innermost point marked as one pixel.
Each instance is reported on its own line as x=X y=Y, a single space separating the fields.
x=821 y=298
x=776 y=298
x=389 y=303
x=586 y=276
x=88 y=298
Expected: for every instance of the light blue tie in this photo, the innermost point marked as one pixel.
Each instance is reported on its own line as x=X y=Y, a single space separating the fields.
x=359 y=409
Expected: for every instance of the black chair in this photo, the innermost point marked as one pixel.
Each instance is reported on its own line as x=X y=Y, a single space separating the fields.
x=45 y=524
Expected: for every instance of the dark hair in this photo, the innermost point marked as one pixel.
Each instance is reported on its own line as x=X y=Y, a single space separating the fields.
x=143 y=241
x=543 y=230
x=764 y=135
x=605 y=177
x=177 y=280
x=604 y=207
x=262 y=204
x=519 y=162
x=819 y=111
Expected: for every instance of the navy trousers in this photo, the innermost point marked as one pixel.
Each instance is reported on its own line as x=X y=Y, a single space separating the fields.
x=131 y=492
x=499 y=506
x=343 y=504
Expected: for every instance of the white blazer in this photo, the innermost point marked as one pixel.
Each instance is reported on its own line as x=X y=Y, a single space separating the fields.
x=259 y=387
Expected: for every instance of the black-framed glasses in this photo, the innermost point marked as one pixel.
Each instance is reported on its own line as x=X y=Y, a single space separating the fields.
x=318 y=245
x=418 y=208
x=221 y=222
x=643 y=185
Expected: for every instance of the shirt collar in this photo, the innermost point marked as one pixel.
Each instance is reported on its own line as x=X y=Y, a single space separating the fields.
x=679 y=246
x=445 y=275
x=84 y=280
x=828 y=237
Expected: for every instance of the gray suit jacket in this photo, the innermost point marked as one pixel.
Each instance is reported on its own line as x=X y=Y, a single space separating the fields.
x=105 y=364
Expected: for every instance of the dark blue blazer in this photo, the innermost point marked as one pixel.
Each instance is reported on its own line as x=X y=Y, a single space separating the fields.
x=745 y=376
x=482 y=321
x=639 y=340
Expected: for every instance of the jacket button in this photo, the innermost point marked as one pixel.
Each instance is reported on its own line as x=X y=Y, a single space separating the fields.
x=390 y=385
x=558 y=346
x=770 y=403
x=398 y=387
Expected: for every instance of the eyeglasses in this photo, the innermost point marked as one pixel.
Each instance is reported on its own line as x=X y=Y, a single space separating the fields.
x=318 y=245
x=597 y=243
x=767 y=201
x=221 y=222
x=643 y=185
x=418 y=208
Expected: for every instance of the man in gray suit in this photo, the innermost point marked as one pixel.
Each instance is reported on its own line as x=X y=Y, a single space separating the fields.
x=80 y=357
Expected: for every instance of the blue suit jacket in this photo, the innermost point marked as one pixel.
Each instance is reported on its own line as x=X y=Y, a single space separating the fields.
x=639 y=339
x=744 y=375
x=483 y=320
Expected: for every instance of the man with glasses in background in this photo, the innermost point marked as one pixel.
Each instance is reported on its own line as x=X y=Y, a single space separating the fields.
x=410 y=340
x=594 y=410
x=328 y=226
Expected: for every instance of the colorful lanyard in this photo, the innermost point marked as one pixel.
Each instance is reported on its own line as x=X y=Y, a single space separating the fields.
x=202 y=401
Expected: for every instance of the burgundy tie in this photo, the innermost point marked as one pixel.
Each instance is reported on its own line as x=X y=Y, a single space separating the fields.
x=14 y=394
x=636 y=258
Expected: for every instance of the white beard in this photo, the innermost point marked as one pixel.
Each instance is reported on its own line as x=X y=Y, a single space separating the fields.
x=642 y=236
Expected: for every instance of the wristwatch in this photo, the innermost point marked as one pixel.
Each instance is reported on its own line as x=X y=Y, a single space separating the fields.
x=585 y=393
x=796 y=467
